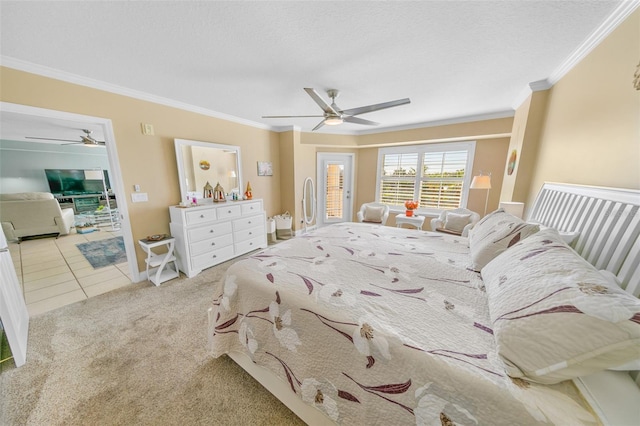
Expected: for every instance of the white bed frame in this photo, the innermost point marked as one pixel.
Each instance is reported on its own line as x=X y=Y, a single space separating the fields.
x=606 y=224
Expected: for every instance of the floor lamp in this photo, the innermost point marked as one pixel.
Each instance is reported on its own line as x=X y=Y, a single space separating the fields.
x=482 y=182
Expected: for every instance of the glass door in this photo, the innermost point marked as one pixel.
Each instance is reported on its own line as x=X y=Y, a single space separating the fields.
x=335 y=187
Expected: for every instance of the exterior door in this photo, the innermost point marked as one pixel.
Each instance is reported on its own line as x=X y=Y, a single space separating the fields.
x=335 y=188
x=13 y=311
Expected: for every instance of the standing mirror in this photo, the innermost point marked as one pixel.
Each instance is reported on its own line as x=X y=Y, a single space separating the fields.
x=309 y=201
x=201 y=163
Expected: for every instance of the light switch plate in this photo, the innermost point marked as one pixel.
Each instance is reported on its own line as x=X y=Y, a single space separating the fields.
x=139 y=197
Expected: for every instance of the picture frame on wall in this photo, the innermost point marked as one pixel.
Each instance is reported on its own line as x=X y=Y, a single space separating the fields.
x=265 y=168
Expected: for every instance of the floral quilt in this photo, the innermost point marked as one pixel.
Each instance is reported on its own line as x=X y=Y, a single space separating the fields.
x=379 y=325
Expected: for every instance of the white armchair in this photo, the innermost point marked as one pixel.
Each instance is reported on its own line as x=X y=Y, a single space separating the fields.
x=456 y=221
x=373 y=213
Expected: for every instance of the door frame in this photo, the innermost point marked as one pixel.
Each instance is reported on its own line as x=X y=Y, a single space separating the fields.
x=348 y=158
x=115 y=177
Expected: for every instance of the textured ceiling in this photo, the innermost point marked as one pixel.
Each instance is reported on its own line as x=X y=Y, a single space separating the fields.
x=454 y=59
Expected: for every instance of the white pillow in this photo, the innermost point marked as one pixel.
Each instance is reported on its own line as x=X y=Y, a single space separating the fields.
x=555 y=317
x=495 y=233
x=455 y=222
x=373 y=214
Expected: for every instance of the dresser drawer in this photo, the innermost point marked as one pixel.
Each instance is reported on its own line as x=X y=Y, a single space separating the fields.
x=211 y=244
x=248 y=222
x=206 y=232
x=230 y=211
x=212 y=258
x=246 y=234
x=200 y=216
x=250 y=208
x=248 y=245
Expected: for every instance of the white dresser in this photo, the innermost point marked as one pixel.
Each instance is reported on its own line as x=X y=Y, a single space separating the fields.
x=214 y=233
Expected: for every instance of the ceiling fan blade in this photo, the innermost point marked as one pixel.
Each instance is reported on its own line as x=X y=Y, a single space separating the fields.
x=320 y=124
x=52 y=139
x=290 y=116
x=357 y=120
x=325 y=106
x=376 y=107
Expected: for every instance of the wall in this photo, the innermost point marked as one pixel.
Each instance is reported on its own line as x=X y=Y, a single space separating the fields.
x=23 y=163
x=591 y=131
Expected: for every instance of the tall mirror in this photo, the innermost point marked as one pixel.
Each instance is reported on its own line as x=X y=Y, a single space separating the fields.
x=201 y=163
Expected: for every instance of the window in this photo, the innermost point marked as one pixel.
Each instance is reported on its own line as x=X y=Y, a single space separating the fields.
x=437 y=175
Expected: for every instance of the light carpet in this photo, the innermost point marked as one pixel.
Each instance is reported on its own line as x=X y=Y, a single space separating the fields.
x=103 y=253
x=134 y=356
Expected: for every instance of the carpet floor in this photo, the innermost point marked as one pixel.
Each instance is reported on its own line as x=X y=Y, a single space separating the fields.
x=135 y=356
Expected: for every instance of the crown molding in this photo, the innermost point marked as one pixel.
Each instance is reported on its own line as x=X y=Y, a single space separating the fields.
x=621 y=13
x=68 y=77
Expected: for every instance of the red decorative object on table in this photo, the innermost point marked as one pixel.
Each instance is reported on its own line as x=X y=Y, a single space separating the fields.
x=410 y=205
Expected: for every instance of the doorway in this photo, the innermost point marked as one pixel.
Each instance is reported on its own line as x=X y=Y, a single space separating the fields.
x=43 y=117
x=335 y=188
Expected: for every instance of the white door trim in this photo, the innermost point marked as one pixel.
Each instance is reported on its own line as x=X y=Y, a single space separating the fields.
x=13 y=310
x=114 y=164
x=348 y=158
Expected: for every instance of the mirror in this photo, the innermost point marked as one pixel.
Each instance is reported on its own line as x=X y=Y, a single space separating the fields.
x=309 y=201
x=201 y=162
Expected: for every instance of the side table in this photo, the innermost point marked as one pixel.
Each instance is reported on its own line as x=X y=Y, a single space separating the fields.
x=161 y=267
x=416 y=221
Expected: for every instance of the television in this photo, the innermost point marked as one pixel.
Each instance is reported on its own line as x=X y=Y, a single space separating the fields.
x=75 y=181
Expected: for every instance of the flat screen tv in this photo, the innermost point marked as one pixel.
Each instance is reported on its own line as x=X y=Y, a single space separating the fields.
x=74 y=182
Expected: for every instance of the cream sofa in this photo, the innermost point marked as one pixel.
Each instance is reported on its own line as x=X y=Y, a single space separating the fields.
x=26 y=214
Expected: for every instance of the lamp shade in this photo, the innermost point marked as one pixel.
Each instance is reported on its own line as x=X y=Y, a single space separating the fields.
x=515 y=208
x=481 y=182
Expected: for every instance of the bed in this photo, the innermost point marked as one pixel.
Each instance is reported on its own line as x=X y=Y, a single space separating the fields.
x=366 y=324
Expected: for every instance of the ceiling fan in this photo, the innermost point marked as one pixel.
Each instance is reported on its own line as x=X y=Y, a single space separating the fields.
x=85 y=139
x=333 y=115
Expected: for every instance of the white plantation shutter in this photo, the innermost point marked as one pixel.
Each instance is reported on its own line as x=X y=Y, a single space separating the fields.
x=435 y=174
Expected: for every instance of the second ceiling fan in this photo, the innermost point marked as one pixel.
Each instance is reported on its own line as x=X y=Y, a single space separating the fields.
x=85 y=139
x=333 y=115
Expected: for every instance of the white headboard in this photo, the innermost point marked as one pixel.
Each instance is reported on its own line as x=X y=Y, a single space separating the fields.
x=607 y=221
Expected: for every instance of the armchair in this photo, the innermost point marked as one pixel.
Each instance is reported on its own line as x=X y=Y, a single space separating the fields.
x=456 y=221
x=373 y=213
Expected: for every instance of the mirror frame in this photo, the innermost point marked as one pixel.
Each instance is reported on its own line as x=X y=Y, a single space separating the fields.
x=180 y=161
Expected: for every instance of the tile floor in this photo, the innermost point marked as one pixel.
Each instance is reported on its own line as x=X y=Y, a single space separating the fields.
x=53 y=273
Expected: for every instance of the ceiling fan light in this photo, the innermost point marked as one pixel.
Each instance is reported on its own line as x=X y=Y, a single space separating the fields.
x=333 y=121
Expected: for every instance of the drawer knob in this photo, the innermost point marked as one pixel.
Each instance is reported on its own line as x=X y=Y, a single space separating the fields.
x=250 y=244
x=201 y=216
x=214 y=256
x=213 y=244
x=249 y=222
x=229 y=211
x=250 y=233
x=211 y=231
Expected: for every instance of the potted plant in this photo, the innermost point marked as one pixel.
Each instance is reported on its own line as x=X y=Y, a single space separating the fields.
x=410 y=205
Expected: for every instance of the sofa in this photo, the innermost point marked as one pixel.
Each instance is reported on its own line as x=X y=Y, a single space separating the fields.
x=28 y=214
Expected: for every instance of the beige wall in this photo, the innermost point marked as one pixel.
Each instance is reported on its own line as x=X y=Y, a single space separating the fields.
x=591 y=131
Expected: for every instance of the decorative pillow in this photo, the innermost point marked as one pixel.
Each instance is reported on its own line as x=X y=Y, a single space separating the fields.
x=495 y=233
x=555 y=317
x=455 y=222
x=373 y=214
